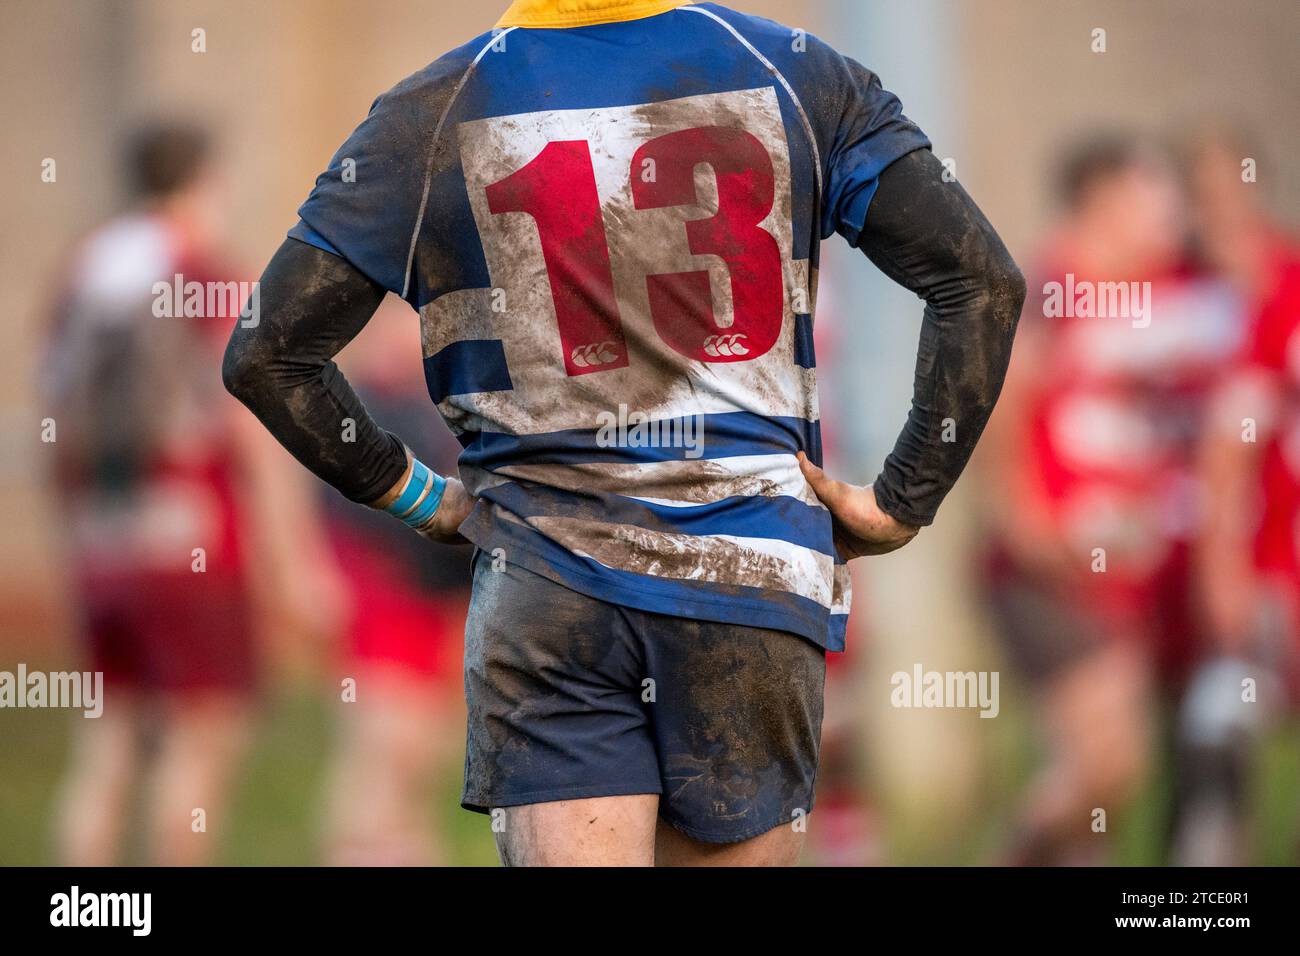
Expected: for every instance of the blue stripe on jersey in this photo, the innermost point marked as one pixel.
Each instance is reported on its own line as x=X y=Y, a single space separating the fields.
x=804 y=355
x=471 y=365
x=778 y=517
x=725 y=435
x=678 y=597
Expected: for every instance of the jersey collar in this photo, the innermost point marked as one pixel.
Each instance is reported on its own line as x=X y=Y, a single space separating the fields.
x=581 y=13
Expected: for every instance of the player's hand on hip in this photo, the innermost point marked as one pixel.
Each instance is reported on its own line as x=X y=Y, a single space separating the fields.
x=861 y=528
x=454 y=508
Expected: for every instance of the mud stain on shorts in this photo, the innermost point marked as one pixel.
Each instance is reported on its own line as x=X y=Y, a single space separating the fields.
x=573 y=697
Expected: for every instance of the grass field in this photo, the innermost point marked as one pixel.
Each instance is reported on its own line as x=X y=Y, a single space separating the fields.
x=276 y=804
x=275 y=809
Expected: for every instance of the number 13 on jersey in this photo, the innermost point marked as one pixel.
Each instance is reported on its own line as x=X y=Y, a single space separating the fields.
x=673 y=216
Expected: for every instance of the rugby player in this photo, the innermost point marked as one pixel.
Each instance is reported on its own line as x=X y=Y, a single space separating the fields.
x=609 y=206
x=1248 y=571
x=153 y=459
x=1094 y=450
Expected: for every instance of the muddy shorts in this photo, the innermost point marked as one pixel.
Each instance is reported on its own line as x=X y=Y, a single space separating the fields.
x=572 y=697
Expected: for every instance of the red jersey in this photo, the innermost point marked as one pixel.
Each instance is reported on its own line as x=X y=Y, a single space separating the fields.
x=1124 y=372
x=1272 y=349
x=146 y=467
x=145 y=463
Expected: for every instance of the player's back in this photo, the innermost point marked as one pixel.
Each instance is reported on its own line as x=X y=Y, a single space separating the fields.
x=607 y=215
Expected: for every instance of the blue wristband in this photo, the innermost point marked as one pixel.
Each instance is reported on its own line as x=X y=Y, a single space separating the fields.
x=420 y=498
x=411 y=493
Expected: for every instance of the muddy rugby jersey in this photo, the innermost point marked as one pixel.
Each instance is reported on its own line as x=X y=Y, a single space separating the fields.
x=607 y=216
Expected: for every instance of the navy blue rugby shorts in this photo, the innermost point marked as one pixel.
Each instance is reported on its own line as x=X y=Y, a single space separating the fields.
x=572 y=697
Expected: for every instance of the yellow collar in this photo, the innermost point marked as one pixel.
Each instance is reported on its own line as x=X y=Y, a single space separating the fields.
x=581 y=13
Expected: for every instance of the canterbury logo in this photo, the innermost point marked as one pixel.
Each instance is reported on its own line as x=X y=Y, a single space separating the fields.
x=725 y=345
x=585 y=356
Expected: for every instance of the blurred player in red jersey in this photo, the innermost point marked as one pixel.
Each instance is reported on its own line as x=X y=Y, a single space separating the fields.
x=404 y=635
x=1093 y=466
x=151 y=461
x=1248 y=563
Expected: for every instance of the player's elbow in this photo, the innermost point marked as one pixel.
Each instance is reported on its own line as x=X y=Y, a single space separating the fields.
x=1004 y=286
x=1011 y=287
x=987 y=343
x=241 y=370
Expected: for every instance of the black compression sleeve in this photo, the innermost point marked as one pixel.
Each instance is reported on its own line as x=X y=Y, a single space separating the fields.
x=312 y=304
x=929 y=236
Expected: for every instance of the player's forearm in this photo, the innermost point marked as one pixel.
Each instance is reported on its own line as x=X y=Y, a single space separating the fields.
x=312 y=305
x=929 y=236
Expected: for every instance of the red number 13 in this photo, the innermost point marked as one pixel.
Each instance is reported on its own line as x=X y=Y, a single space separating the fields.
x=558 y=189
